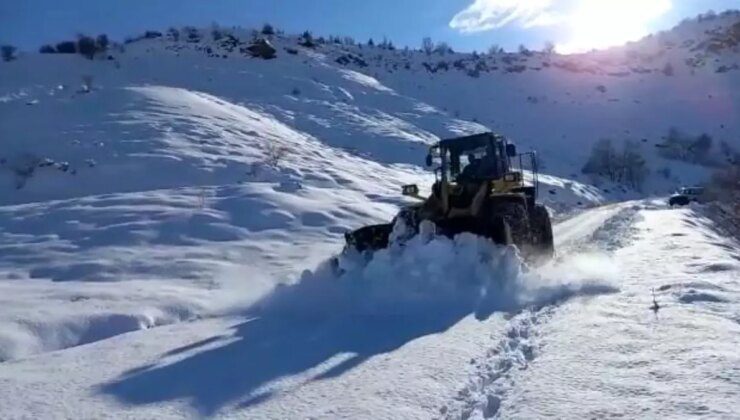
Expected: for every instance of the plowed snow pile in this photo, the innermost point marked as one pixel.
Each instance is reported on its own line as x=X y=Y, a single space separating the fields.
x=430 y=273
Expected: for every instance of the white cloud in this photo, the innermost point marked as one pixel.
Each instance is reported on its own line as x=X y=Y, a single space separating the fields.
x=588 y=23
x=485 y=15
x=545 y=19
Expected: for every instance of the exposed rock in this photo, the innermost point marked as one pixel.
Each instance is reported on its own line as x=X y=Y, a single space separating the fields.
x=262 y=48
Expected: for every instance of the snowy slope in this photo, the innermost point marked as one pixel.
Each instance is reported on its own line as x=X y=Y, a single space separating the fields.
x=205 y=179
x=187 y=184
x=560 y=105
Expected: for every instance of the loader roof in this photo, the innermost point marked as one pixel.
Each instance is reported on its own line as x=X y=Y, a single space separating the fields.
x=466 y=142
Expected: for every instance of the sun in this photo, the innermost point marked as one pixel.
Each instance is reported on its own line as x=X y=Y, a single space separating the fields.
x=596 y=24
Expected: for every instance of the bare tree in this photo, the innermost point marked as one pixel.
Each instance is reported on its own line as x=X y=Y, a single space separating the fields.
x=427 y=45
x=668 y=69
x=102 y=42
x=268 y=29
x=701 y=147
x=495 y=49
x=86 y=46
x=680 y=146
x=725 y=185
x=723 y=193
x=443 y=48
x=275 y=153
x=8 y=52
x=216 y=34
x=633 y=170
x=627 y=166
x=728 y=153
x=549 y=48
x=602 y=160
x=174 y=34
x=307 y=40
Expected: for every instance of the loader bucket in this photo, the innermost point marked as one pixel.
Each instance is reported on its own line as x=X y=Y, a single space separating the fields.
x=369 y=238
x=496 y=229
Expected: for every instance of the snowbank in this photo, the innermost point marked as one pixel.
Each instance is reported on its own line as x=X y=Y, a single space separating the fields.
x=432 y=274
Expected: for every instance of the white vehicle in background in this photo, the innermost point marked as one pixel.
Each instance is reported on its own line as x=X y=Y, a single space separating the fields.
x=686 y=195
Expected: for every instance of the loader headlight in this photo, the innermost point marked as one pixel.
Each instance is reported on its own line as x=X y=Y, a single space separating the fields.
x=513 y=177
x=410 y=190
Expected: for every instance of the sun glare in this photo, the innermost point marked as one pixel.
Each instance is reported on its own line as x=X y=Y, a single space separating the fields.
x=607 y=23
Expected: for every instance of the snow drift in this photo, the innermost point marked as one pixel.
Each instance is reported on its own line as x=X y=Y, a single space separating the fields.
x=335 y=319
x=430 y=273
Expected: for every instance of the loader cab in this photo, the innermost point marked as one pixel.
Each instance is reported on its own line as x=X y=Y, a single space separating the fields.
x=462 y=164
x=472 y=159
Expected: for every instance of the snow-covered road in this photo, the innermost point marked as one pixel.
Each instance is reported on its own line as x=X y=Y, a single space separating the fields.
x=584 y=343
x=581 y=226
x=611 y=356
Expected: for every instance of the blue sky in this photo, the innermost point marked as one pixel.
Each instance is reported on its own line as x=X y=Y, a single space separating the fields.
x=465 y=24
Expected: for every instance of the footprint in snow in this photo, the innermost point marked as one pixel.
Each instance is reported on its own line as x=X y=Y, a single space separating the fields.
x=693 y=296
x=715 y=267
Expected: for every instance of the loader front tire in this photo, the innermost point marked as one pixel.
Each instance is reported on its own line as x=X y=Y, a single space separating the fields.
x=543 y=242
x=516 y=218
x=499 y=231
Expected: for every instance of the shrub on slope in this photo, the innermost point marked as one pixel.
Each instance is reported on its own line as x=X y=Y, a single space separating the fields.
x=724 y=191
x=626 y=166
x=8 y=52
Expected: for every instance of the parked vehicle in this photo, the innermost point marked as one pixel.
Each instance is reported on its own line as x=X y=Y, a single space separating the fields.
x=686 y=195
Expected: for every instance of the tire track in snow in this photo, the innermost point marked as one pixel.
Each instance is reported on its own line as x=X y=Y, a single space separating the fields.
x=494 y=375
x=570 y=234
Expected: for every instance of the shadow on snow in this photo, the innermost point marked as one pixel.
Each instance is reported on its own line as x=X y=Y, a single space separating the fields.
x=324 y=325
x=268 y=348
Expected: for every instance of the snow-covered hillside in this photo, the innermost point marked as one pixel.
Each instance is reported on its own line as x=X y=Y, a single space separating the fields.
x=185 y=180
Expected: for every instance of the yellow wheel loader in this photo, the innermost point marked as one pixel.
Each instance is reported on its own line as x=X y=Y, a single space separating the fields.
x=479 y=188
